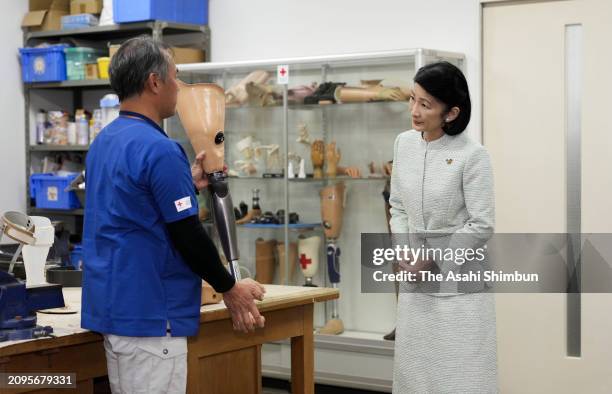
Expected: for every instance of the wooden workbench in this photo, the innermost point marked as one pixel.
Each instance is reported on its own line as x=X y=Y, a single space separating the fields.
x=220 y=360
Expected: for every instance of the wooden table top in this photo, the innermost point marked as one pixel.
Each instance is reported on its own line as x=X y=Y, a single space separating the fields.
x=68 y=331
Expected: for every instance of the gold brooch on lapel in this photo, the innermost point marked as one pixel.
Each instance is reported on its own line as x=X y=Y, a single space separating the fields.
x=449 y=161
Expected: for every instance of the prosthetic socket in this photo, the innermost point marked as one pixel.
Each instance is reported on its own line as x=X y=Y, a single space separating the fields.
x=201 y=108
x=332 y=209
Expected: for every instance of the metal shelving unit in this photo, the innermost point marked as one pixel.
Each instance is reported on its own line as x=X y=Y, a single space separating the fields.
x=173 y=33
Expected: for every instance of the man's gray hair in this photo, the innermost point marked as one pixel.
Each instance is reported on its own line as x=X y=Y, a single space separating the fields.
x=135 y=60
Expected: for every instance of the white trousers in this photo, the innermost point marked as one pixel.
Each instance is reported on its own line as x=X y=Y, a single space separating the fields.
x=146 y=364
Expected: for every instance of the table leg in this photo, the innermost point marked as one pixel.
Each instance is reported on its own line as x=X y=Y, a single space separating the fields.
x=302 y=356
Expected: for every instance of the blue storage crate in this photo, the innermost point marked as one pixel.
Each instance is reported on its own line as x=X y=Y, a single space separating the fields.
x=193 y=12
x=46 y=64
x=78 y=21
x=49 y=191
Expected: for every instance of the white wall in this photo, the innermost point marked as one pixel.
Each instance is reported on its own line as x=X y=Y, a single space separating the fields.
x=244 y=30
x=12 y=139
x=265 y=29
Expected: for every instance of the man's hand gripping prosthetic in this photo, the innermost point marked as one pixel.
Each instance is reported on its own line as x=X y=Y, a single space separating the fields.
x=201 y=108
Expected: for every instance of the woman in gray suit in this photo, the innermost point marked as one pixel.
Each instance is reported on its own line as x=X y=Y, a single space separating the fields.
x=442 y=197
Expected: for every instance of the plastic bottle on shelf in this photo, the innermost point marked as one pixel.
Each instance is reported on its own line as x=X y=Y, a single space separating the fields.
x=82 y=127
x=41 y=125
x=72 y=133
x=110 y=108
x=95 y=125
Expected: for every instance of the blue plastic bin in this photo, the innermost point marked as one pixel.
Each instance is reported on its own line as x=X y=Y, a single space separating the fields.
x=76 y=257
x=193 y=12
x=48 y=190
x=79 y=21
x=43 y=64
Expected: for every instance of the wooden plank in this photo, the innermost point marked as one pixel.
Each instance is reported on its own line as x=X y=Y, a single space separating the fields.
x=302 y=356
x=277 y=297
x=50 y=343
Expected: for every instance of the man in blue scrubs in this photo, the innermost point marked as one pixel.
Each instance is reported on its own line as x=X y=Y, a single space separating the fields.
x=146 y=252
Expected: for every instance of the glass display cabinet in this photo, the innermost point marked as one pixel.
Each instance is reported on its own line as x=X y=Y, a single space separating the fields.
x=279 y=147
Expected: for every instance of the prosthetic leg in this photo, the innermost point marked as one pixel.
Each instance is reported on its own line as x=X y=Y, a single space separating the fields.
x=201 y=108
x=308 y=251
x=332 y=208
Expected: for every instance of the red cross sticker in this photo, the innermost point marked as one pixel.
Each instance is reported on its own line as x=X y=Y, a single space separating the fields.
x=180 y=204
x=282 y=74
x=304 y=262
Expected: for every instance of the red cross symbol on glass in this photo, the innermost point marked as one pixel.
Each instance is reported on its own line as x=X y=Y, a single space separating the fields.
x=283 y=72
x=180 y=204
x=304 y=262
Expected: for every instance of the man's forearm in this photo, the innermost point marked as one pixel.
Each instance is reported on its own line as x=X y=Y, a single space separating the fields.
x=199 y=252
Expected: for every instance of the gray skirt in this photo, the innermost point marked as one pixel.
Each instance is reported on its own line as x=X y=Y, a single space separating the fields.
x=445 y=344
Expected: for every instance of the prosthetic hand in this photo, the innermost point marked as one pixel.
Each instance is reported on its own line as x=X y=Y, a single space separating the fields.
x=201 y=108
x=317 y=156
x=332 y=157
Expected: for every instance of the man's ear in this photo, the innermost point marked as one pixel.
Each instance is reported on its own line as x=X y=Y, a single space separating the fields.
x=153 y=83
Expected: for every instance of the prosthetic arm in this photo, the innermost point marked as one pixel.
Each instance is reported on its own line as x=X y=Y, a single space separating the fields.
x=201 y=108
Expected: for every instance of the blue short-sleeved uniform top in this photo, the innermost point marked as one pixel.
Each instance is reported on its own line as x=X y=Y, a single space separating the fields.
x=135 y=282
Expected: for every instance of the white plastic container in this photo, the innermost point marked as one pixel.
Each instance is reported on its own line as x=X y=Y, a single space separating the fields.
x=35 y=256
x=110 y=108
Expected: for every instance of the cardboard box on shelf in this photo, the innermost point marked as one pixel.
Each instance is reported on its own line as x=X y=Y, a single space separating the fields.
x=112 y=49
x=181 y=55
x=85 y=7
x=45 y=14
x=188 y=55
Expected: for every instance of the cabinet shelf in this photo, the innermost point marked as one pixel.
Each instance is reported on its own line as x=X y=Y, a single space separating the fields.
x=73 y=84
x=295 y=226
x=313 y=180
x=55 y=212
x=124 y=30
x=312 y=107
x=58 y=148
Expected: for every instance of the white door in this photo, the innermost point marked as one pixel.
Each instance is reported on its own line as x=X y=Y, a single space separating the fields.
x=547 y=122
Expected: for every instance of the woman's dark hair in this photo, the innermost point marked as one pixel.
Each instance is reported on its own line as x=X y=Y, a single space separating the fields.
x=447 y=83
x=134 y=61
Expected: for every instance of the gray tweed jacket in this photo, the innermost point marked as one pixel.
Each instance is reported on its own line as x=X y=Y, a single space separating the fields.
x=442 y=195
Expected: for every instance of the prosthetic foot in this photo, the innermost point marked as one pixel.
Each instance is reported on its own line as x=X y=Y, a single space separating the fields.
x=308 y=254
x=201 y=108
x=265 y=261
x=334 y=326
